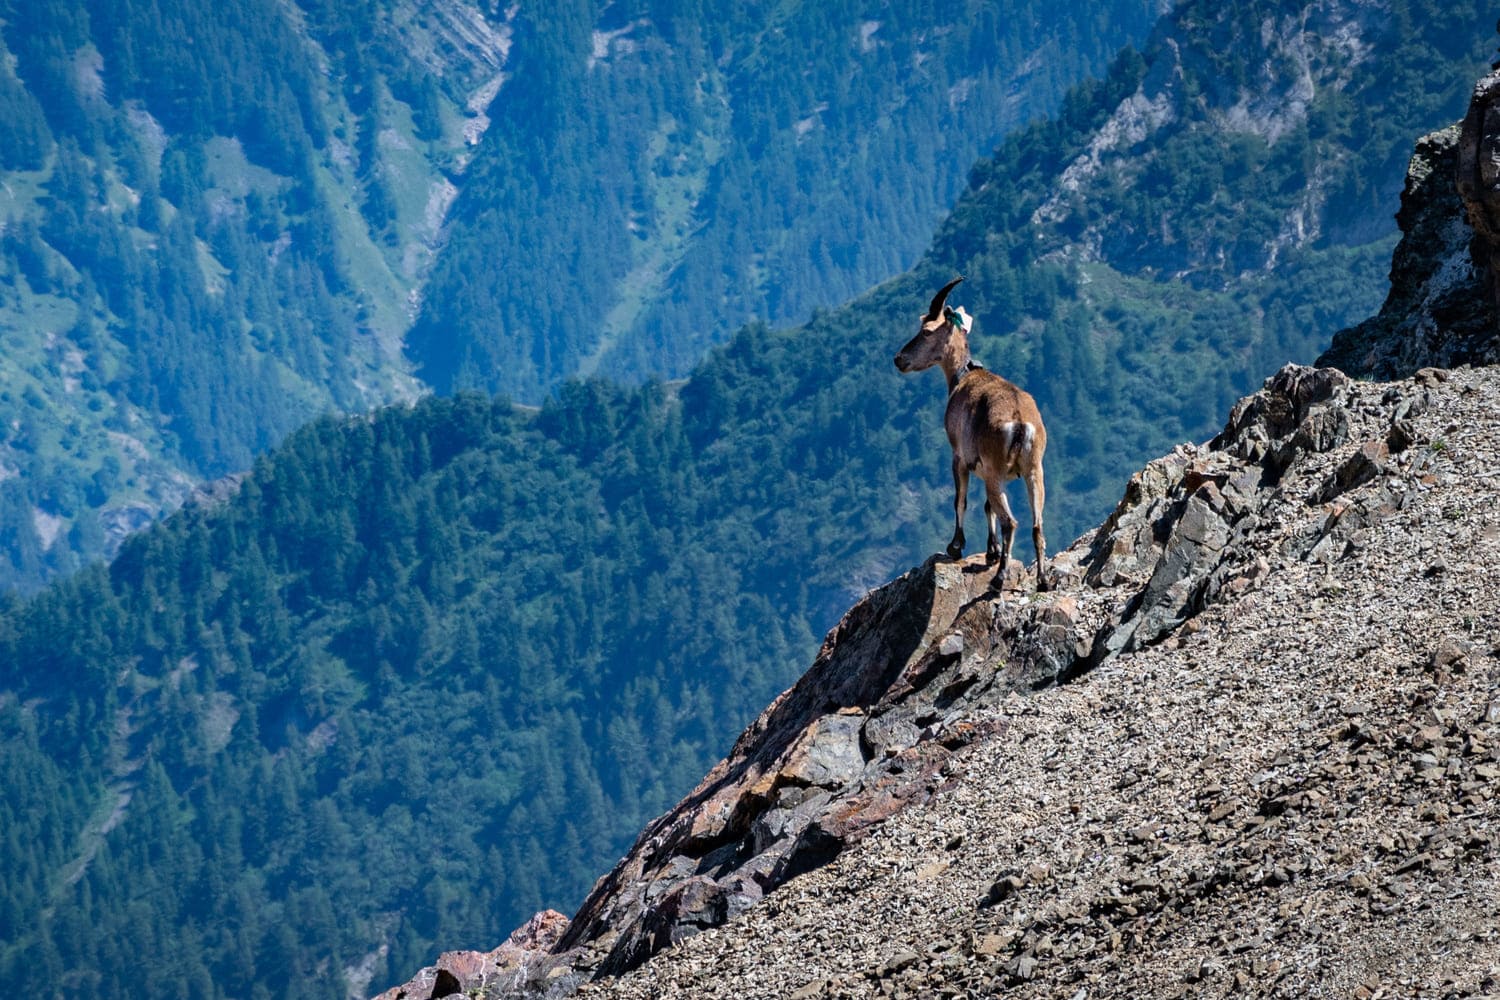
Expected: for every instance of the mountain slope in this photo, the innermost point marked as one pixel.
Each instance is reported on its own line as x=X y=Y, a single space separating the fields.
x=1270 y=769
x=660 y=175
x=1152 y=265
x=1291 y=794
x=211 y=220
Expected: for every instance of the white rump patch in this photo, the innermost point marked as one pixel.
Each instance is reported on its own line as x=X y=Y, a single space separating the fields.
x=1018 y=435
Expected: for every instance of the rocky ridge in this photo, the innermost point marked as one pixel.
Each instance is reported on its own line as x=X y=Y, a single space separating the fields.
x=1284 y=646
x=1291 y=792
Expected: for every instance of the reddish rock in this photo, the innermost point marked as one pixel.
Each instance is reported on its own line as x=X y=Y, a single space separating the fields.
x=457 y=972
x=540 y=933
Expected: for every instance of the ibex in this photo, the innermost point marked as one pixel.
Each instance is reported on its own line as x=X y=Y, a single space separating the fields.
x=994 y=427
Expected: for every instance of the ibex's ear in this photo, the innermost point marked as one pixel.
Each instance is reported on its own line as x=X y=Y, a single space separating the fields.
x=936 y=309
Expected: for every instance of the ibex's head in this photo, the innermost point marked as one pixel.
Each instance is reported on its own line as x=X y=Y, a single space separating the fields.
x=942 y=335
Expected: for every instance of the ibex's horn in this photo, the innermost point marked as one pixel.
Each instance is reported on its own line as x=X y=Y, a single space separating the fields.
x=936 y=309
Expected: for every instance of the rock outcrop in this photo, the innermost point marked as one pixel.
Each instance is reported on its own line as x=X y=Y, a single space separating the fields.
x=1478 y=179
x=1445 y=275
x=864 y=734
x=505 y=967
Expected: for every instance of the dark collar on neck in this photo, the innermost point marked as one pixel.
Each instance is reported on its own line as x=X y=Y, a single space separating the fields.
x=970 y=366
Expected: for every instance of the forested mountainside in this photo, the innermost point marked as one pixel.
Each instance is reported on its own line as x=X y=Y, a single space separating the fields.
x=677 y=170
x=212 y=218
x=217 y=219
x=427 y=671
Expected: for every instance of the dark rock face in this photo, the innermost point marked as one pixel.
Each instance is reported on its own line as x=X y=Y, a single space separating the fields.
x=1478 y=179
x=891 y=697
x=1445 y=275
x=864 y=733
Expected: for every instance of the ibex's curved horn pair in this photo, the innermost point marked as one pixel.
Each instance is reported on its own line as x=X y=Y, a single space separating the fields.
x=936 y=309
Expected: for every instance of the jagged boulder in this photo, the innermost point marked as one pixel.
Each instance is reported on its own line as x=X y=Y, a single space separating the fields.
x=466 y=972
x=1176 y=537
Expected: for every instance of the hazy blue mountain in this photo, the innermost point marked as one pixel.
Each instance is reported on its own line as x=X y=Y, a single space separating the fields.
x=662 y=174
x=213 y=219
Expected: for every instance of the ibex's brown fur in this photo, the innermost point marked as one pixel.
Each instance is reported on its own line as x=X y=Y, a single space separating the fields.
x=995 y=430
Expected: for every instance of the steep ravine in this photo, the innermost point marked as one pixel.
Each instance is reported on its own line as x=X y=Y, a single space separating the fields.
x=1250 y=743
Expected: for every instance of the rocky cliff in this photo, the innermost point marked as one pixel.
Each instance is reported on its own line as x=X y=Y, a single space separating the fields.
x=1291 y=793
x=1445 y=275
x=1249 y=744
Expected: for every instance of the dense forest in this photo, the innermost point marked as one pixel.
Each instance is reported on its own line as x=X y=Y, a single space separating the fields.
x=790 y=155
x=429 y=669
x=218 y=221
x=211 y=218
x=370 y=678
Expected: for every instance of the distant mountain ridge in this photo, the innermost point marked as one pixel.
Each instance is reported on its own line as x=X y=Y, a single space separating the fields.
x=784 y=158
x=212 y=222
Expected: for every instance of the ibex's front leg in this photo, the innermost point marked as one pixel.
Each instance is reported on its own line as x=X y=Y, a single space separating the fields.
x=1036 y=492
x=960 y=504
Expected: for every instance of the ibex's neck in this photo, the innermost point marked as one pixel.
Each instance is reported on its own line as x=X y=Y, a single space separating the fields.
x=956 y=364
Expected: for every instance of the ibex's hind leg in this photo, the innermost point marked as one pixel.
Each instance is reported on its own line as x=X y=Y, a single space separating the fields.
x=1036 y=492
x=997 y=507
x=960 y=505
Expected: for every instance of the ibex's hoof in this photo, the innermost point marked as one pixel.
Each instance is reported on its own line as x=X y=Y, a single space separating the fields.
x=990 y=558
x=1042 y=586
x=955 y=552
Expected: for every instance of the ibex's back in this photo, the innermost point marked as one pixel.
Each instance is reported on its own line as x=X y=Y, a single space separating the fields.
x=994 y=427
